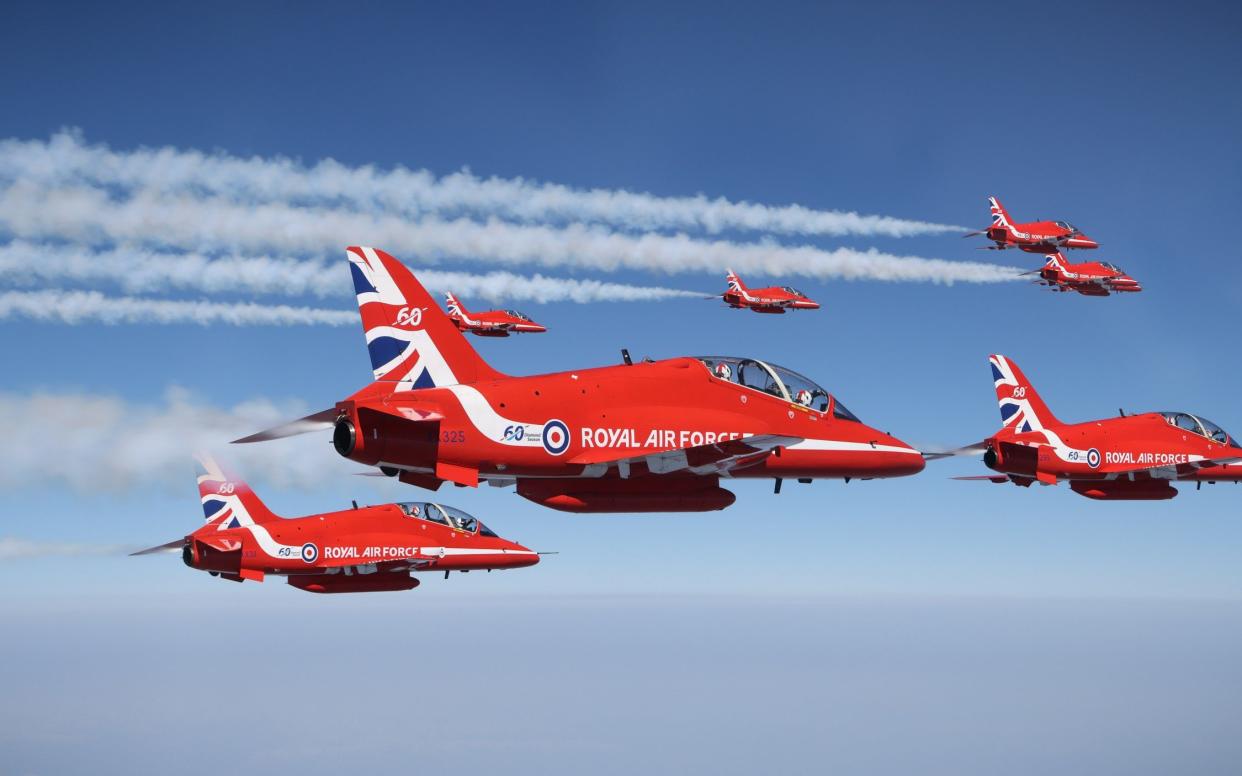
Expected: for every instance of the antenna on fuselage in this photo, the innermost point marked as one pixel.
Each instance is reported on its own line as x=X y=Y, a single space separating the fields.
x=354 y=502
x=625 y=356
x=1122 y=411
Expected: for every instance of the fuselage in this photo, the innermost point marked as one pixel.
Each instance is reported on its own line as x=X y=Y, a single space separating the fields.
x=568 y=424
x=1039 y=237
x=1145 y=445
x=1090 y=278
x=355 y=542
x=768 y=300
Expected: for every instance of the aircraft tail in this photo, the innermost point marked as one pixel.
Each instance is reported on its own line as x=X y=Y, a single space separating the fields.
x=735 y=282
x=1056 y=261
x=1021 y=408
x=1000 y=216
x=455 y=308
x=412 y=342
x=228 y=502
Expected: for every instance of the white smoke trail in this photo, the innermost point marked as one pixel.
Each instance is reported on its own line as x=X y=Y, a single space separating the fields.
x=75 y=307
x=13 y=548
x=139 y=270
x=66 y=159
x=98 y=443
x=90 y=216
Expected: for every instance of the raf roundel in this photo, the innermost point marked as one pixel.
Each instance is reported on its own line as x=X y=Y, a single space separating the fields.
x=310 y=553
x=1093 y=458
x=555 y=437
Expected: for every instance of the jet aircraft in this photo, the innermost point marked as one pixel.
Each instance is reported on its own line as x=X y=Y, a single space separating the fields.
x=493 y=323
x=1032 y=237
x=359 y=550
x=774 y=299
x=1090 y=278
x=634 y=437
x=1131 y=457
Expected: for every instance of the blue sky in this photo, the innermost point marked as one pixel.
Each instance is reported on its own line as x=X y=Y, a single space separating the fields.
x=1124 y=123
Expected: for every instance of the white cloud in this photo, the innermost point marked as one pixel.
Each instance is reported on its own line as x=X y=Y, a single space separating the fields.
x=98 y=443
x=92 y=217
x=66 y=159
x=138 y=269
x=75 y=307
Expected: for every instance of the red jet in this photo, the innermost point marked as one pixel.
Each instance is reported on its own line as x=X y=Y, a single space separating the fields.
x=1132 y=457
x=1033 y=237
x=774 y=299
x=656 y=436
x=359 y=550
x=1091 y=278
x=493 y=323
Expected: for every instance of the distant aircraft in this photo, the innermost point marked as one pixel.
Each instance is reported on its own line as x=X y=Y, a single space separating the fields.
x=655 y=436
x=1033 y=237
x=1131 y=457
x=1091 y=278
x=493 y=323
x=774 y=299
x=359 y=550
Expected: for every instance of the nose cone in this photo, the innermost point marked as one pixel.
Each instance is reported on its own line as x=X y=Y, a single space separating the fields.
x=521 y=556
x=809 y=304
x=887 y=456
x=1126 y=283
x=1081 y=241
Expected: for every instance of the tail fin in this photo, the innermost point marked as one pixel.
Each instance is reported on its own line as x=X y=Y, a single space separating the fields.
x=455 y=308
x=228 y=502
x=1056 y=261
x=735 y=282
x=412 y=342
x=1000 y=216
x=1020 y=406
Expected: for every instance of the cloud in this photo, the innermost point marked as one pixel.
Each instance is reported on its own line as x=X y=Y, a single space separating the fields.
x=66 y=160
x=99 y=443
x=13 y=548
x=137 y=269
x=75 y=307
x=91 y=217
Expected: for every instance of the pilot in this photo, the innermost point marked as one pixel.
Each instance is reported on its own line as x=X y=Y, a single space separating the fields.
x=804 y=397
x=723 y=371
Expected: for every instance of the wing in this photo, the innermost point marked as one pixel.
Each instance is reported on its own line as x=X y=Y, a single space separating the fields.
x=715 y=458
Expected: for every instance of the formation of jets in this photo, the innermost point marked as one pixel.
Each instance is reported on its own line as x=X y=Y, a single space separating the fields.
x=654 y=436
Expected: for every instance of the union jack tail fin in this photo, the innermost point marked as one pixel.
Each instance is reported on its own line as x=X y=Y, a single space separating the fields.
x=228 y=502
x=455 y=308
x=1056 y=261
x=1000 y=216
x=1021 y=408
x=412 y=342
x=735 y=282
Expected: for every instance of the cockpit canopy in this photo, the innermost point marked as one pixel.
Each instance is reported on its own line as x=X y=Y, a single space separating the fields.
x=450 y=516
x=1113 y=267
x=776 y=381
x=1201 y=426
x=792 y=290
x=1066 y=225
x=519 y=315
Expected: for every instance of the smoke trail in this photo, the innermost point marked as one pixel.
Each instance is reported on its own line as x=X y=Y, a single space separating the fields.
x=90 y=216
x=66 y=159
x=139 y=270
x=13 y=548
x=75 y=307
